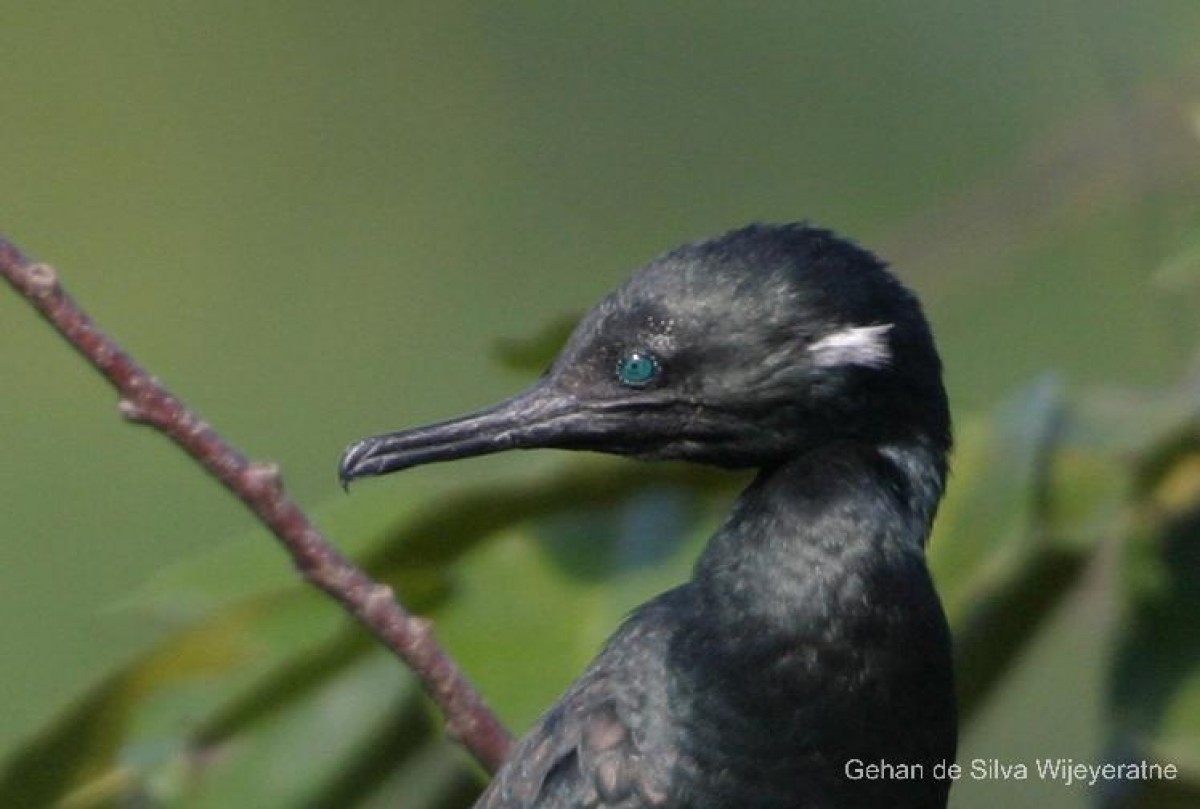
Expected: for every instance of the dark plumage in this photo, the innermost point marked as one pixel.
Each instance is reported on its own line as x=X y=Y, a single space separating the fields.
x=810 y=635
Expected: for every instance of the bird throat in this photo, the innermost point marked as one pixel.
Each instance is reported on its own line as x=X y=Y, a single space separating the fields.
x=817 y=636
x=822 y=543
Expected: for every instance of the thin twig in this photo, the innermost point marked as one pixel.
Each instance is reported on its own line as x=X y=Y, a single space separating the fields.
x=144 y=400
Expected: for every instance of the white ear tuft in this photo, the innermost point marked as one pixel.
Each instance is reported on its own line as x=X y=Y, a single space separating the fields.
x=856 y=345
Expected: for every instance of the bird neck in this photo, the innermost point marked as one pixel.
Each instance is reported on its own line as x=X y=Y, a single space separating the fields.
x=813 y=542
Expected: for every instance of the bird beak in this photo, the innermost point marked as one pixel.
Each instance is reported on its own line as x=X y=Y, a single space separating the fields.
x=542 y=416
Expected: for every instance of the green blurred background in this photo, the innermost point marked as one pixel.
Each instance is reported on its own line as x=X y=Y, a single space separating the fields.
x=315 y=221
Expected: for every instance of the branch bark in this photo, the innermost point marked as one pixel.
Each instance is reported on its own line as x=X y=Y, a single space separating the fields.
x=144 y=400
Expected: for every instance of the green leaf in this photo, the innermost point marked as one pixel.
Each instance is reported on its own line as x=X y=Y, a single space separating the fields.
x=255 y=563
x=999 y=567
x=82 y=749
x=1126 y=422
x=1156 y=686
x=404 y=756
x=295 y=755
x=996 y=488
x=533 y=607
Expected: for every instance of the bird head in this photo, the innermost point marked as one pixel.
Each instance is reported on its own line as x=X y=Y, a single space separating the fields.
x=742 y=350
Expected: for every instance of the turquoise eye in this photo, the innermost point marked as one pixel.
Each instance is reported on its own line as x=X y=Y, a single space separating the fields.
x=637 y=369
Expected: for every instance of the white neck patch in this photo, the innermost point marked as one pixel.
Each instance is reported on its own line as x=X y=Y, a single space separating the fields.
x=856 y=345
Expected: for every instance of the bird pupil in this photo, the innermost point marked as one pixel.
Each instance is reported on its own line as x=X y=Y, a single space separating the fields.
x=637 y=368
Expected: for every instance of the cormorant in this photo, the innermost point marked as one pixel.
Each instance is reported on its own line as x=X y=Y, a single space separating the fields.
x=807 y=662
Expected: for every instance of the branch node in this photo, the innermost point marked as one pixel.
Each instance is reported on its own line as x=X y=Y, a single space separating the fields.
x=264 y=475
x=132 y=411
x=421 y=628
x=379 y=599
x=43 y=280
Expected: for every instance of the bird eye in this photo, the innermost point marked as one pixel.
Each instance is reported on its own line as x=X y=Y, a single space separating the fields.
x=637 y=369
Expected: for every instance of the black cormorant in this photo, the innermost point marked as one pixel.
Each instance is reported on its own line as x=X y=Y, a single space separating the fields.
x=807 y=662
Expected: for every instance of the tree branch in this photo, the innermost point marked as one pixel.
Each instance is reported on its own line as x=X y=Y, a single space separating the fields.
x=144 y=400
